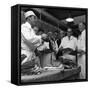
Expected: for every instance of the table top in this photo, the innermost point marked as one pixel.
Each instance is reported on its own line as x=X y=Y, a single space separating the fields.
x=50 y=75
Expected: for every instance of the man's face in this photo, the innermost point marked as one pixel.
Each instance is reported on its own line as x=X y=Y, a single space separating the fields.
x=32 y=19
x=62 y=34
x=69 y=32
x=81 y=27
x=36 y=29
x=56 y=35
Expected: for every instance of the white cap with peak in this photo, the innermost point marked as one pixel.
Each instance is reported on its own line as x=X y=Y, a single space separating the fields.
x=29 y=13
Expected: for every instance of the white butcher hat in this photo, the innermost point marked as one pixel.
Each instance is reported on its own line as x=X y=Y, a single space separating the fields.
x=29 y=13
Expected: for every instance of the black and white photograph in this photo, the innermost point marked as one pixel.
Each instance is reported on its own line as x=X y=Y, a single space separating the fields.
x=53 y=44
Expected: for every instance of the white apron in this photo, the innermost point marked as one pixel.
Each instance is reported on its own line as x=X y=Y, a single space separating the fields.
x=82 y=63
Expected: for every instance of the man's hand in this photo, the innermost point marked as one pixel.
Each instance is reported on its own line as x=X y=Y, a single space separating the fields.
x=61 y=48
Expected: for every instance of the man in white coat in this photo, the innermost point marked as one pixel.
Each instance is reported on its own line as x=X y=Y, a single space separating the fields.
x=29 y=39
x=68 y=42
x=82 y=50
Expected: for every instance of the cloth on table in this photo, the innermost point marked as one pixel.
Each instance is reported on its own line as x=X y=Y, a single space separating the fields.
x=68 y=57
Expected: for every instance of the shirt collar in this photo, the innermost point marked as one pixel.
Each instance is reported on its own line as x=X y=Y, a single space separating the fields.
x=70 y=37
x=28 y=24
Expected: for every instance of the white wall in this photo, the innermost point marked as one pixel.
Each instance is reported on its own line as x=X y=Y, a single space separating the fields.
x=5 y=44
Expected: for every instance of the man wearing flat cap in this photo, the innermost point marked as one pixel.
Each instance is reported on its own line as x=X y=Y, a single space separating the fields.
x=29 y=38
